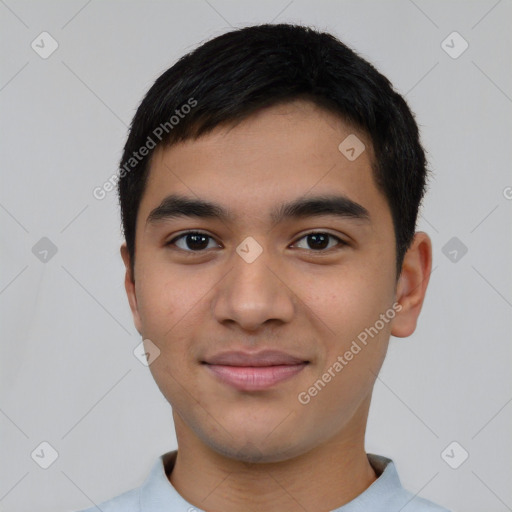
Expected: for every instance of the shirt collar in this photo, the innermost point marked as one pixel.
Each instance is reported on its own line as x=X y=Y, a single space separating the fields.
x=159 y=495
x=377 y=496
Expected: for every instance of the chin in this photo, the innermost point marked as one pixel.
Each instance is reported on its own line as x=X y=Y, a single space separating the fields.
x=257 y=447
x=252 y=453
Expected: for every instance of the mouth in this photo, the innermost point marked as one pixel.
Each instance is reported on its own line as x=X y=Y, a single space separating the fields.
x=254 y=372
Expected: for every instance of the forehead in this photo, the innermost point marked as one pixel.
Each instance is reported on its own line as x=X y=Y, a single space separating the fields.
x=277 y=155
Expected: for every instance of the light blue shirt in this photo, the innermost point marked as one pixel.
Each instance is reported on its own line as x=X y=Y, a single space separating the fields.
x=157 y=494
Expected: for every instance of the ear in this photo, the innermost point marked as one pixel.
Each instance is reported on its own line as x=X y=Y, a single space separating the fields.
x=412 y=285
x=129 y=285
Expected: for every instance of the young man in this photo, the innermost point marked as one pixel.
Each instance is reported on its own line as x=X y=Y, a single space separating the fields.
x=269 y=191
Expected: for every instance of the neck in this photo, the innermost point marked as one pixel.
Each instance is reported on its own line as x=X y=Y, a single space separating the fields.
x=323 y=479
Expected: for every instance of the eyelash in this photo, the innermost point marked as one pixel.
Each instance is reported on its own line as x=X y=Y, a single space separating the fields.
x=189 y=252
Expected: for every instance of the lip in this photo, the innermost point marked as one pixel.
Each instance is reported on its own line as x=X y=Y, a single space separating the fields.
x=254 y=372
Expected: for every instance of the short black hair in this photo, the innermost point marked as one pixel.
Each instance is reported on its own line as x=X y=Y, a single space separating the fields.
x=240 y=72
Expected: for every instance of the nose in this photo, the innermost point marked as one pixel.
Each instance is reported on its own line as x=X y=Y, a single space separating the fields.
x=254 y=294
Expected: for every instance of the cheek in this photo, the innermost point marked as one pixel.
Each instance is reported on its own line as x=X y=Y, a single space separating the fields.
x=159 y=304
x=173 y=303
x=164 y=294
x=171 y=306
x=348 y=301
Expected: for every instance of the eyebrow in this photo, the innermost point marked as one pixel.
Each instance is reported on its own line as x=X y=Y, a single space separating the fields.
x=177 y=206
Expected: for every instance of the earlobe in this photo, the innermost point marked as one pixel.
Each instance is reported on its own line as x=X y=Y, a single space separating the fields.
x=129 y=285
x=412 y=285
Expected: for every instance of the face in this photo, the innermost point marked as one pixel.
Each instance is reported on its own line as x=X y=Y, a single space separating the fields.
x=257 y=313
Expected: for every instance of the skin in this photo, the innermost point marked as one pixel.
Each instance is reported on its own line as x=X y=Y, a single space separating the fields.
x=264 y=450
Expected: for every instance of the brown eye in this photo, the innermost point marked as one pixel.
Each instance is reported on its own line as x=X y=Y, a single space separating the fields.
x=193 y=241
x=319 y=241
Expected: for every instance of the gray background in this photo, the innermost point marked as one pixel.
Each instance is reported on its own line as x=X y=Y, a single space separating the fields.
x=68 y=373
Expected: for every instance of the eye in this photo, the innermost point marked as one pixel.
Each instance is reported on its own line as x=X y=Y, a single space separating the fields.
x=195 y=240
x=319 y=241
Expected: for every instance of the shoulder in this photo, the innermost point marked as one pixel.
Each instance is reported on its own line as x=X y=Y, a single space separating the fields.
x=412 y=503
x=128 y=501
x=388 y=494
x=404 y=501
x=155 y=492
